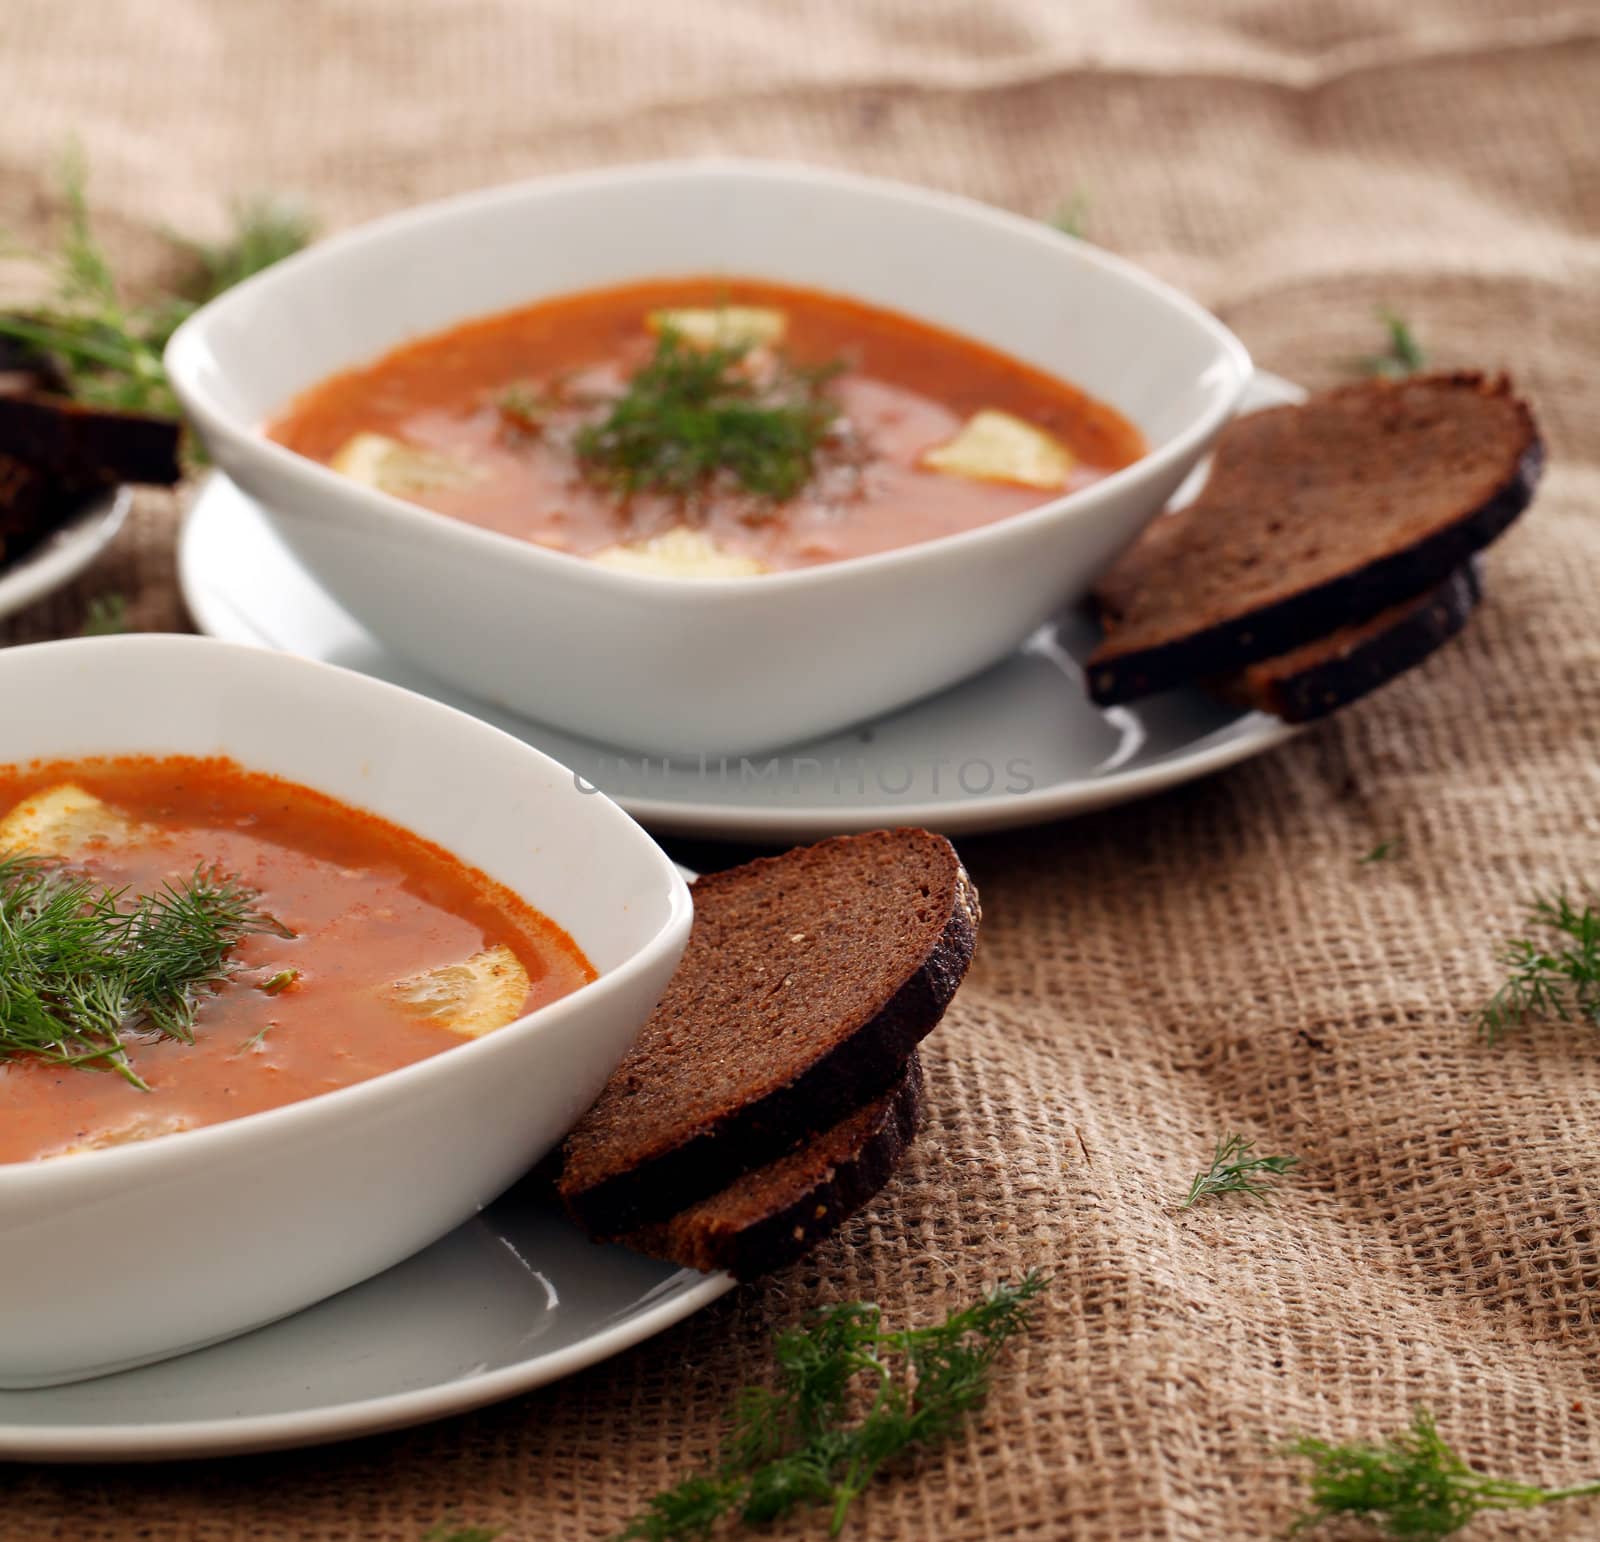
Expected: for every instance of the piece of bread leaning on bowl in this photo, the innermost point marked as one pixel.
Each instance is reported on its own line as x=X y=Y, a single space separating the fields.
x=1335 y=546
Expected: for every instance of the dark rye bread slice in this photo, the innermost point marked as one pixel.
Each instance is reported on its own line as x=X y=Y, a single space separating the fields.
x=25 y=498
x=84 y=446
x=769 y=1217
x=1319 y=677
x=31 y=506
x=808 y=980
x=1316 y=516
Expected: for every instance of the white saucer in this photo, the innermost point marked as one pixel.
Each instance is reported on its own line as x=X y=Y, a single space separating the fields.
x=64 y=553
x=511 y=1300
x=1019 y=744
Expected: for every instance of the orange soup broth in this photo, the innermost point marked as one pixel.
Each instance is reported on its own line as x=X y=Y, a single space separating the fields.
x=369 y=902
x=905 y=388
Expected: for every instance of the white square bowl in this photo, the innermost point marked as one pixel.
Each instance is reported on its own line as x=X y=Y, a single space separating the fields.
x=112 y=1258
x=721 y=665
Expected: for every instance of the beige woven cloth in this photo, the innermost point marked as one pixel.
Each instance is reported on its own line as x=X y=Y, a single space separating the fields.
x=1213 y=959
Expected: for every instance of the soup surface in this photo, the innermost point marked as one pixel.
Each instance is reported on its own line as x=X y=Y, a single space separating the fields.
x=818 y=428
x=368 y=948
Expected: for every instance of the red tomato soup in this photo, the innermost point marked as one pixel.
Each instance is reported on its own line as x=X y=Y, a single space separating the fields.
x=818 y=428
x=368 y=949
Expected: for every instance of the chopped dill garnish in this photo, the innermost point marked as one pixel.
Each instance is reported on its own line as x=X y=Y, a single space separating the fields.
x=264 y=231
x=1234 y=1170
x=793 y=1444
x=1547 y=979
x=693 y=415
x=1384 y=851
x=1072 y=218
x=107 y=616
x=110 y=350
x=1402 y=355
x=82 y=966
x=279 y=983
x=524 y=408
x=1410 y=1485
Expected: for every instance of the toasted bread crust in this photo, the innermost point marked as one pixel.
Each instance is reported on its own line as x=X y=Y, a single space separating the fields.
x=84 y=446
x=1322 y=676
x=24 y=498
x=609 y=1196
x=31 y=507
x=1121 y=669
x=775 y=1214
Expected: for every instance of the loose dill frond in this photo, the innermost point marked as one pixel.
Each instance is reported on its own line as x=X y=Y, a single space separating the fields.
x=1410 y=1485
x=524 y=409
x=1384 y=851
x=175 y=944
x=82 y=967
x=107 y=616
x=1402 y=355
x=692 y=415
x=110 y=350
x=263 y=231
x=1560 y=980
x=1072 y=218
x=102 y=346
x=794 y=1444
x=446 y=1532
x=1234 y=1170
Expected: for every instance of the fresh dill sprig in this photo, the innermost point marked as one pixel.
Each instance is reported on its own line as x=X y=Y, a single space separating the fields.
x=1411 y=1485
x=1560 y=981
x=110 y=350
x=1384 y=851
x=524 y=408
x=1072 y=218
x=263 y=231
x=1234 y=1170
x=1402 y=355
x=82 y=967
x=692 y=415
x=101 y=345
x=792 y=1444
x=107 y=616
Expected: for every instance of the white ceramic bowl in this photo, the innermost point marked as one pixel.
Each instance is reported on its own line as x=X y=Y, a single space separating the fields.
x=688 y=666
x=111 y=1258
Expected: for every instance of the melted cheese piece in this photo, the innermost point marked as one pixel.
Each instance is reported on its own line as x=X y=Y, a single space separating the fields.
x=993 y=446
x=140 y=1127
x=402 y=469
x=471 y=998
x=59 y=820
x=725 y=326
x=679 y=553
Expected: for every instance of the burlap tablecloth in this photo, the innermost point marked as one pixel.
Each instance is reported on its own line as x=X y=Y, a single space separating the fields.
x=1213 y=959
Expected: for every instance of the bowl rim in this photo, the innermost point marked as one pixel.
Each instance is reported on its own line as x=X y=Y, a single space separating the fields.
x=22 y=1179
x=182 y=360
